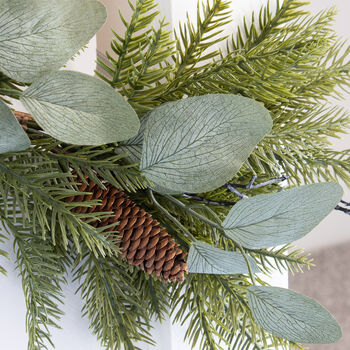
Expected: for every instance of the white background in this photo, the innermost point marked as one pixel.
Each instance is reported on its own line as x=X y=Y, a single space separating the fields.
x=75 y=334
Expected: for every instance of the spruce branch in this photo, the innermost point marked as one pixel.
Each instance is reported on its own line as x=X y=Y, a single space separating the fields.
x=291 y=64
x=192 y=42
x=94 y=163
x=9 y=88
x=268 y=24
x=289 y=61
x=3 y=253
x=117 y=314
x=200 y=305
x=42 y=268
x=154 y=292
x=207 y=201
x=39 y=187
x=244 y=340
x=283 y=258
x=216 y=310
x=138 y=64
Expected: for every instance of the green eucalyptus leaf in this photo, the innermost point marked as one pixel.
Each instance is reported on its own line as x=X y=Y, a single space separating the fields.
x=79 y=109
x=197 y=144
x=204 y=258
x=292 y=316
x=133 y=146
x=40 y=36
x=162 y=190
x=12 y=136
x=272 y=219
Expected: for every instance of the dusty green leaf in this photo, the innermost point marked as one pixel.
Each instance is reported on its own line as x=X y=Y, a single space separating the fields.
x=272 y=219
x=197 y=144
x=12 y=136
x=79 y=109
x=40 y=36
x=133 y=146
x=292 y=316
x=204 y=258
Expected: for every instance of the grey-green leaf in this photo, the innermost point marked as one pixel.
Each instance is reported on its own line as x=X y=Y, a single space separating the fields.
x=292 y=316
x=204 y=258
x=79 y=109
x=272 y=219
x=197 y=144
x=37 y=37
x=12 y=136
x=133 y=146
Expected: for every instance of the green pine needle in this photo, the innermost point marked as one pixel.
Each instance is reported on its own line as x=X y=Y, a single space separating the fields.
x=38 y=187
x=290 y=61
x=42 y=268
x=113 y=304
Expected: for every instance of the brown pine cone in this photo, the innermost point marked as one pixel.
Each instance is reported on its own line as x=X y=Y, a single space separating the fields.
x=143 y=242
x=23 y=118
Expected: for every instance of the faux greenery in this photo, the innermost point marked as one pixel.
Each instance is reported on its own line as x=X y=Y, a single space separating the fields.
x=212 y=122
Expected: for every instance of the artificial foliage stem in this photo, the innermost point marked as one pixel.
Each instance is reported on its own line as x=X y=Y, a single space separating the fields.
x=113 y=304
x=251 y=275
x=170 y=217
x=193 y=212
x=218 y=227
x=129 y=30
x=251 y=185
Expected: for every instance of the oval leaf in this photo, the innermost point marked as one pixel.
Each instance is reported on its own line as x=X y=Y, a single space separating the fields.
x=204 y=258
x=133 y=146
x=40 y=36
x=292 y=316
x=199 y=143
x=12 y=136
x=272 y=219
x=79 y=109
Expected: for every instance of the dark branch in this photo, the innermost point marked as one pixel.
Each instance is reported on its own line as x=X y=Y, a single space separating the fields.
x=207 y=201
x=344 y=210
x=232 y=188
x=236 y=192
x=251 y=185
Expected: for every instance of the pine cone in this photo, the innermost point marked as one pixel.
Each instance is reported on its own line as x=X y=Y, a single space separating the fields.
x=143 y=242
x=23 y=118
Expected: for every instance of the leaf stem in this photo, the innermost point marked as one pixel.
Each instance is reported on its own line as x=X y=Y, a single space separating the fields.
x=208 y=201
x=218 y=227
x=344 y=210
x=170 y=217
x=193 y=212
x=250 y=185
x=251 y=274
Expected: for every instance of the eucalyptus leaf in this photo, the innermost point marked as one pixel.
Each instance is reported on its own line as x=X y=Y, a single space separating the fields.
x=269 y=220
x=204 y=258
x=133 y=146
x=292 y=316
x=37 y=37
x=79 y=109
x=12 y=136
x=197 y=144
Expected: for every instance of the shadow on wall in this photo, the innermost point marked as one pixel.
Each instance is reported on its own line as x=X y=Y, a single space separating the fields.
x=329 y=284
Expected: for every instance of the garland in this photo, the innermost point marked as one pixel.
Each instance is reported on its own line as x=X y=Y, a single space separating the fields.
x=167 y=189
